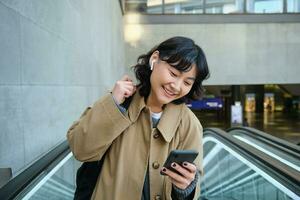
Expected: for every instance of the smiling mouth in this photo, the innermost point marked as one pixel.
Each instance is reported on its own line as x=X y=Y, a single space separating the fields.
x=168 y=92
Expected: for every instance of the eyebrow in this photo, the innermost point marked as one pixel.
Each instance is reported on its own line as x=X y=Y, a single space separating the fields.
x=192 y=78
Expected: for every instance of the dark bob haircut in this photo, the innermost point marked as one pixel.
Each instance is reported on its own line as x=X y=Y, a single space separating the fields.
x=181 y=53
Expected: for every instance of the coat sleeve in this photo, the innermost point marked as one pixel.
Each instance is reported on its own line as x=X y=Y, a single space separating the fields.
x=94 y=132
x=191 y=139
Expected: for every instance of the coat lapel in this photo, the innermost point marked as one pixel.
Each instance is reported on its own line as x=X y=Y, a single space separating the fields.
x=169 y=121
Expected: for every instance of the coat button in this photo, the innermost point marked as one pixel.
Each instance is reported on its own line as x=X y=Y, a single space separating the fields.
x=156 y=135
x=157 y=197
x=155 y=165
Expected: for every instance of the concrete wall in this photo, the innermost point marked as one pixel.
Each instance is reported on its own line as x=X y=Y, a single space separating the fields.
x=56 y=58
x=246 y=53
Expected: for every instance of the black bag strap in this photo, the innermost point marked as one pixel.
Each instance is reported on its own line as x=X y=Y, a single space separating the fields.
x=127 y=102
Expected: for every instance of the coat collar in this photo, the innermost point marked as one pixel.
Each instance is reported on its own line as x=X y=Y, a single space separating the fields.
x=136 y=106
x=169 y=120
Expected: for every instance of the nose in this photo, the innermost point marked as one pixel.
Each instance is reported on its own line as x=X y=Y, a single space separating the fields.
x=176 y=86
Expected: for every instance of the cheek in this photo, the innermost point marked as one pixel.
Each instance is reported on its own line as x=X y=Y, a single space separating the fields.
x=186 y=90
x=153 y=78
x=155 y=82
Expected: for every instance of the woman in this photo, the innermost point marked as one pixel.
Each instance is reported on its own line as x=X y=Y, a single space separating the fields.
x=137 y=141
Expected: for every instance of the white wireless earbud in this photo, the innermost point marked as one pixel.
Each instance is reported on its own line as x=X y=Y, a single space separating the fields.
x=151 y=66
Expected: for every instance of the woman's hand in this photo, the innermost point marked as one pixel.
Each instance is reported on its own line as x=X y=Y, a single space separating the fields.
x=187 y=171
x=123 y=88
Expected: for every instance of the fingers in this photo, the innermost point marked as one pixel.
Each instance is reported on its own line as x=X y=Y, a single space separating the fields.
x=129 y=90
x=123 y=88
x=186 y=176
x=127 y=83
x=176 y=179
x=189 y=166
x=128 y=93
x=175 y=176
x=188 y=173
x=126 y=78
x=179 y=184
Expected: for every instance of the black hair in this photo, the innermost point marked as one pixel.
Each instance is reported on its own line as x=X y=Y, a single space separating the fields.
x=181 y=53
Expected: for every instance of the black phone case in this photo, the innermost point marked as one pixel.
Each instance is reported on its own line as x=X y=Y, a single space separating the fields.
x=179 y=156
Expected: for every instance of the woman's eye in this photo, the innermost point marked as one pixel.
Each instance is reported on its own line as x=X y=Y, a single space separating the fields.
x=187 y=83
x=173 y=74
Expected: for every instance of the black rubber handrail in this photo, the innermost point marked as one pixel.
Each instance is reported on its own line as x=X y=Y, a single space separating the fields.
x=277 y=143
x=284 y=174
x=14 y=186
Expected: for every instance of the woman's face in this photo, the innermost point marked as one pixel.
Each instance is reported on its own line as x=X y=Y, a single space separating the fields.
x=168 y=83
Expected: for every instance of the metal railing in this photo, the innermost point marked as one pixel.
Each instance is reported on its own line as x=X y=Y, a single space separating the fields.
x=13 y=187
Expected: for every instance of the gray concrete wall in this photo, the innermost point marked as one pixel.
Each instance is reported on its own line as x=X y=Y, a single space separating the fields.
x=249 y=53
x=56 y=58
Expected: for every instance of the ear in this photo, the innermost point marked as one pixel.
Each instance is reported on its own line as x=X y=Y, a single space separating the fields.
x=154 y=56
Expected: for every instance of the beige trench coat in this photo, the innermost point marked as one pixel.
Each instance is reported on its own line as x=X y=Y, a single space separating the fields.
x=131 y=143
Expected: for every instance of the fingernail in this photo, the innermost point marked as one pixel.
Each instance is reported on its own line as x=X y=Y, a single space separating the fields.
x=173 y=164
x=185 y=164
x=164 y=170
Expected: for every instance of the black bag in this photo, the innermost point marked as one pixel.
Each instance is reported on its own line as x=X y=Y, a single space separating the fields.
x=86 y=179
x=88 y=172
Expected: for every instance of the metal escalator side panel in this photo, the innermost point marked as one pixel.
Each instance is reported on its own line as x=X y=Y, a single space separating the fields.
x=36 y=189
x=227 y=174
x=268 y=146
x=295 y=164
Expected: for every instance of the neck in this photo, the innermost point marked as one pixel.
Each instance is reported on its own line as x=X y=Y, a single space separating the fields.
x=153 y=105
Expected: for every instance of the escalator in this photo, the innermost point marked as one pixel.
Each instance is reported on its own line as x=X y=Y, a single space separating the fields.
x=277 y=148
x=233 y=169
x=50 y=177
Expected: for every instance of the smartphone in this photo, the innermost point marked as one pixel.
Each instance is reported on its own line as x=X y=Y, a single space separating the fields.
x=179 y=156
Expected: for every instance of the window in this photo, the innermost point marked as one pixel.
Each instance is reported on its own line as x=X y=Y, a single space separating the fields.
x=224 y=6
x=183 y=6
x=265 y=6
x=212 y=6
x=293 y=6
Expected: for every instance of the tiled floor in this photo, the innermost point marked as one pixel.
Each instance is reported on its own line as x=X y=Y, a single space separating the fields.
x=282 y=125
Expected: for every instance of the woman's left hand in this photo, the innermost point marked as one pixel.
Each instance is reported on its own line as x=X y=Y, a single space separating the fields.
x=187 y=171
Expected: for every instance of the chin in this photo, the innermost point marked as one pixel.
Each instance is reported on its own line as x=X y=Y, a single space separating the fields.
x=162 y=98
x=166 y=100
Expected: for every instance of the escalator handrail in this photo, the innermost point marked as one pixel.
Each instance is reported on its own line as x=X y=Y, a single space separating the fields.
x=280 y=144
x=15 y=185
x=284 y=174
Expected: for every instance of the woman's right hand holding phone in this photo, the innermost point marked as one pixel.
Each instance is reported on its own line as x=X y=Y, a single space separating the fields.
x=123 y=88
